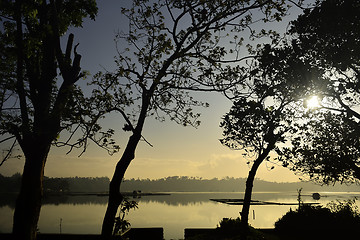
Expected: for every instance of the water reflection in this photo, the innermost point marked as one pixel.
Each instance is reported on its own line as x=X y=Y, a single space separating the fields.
x=9 y=200
x=175 y=212
x=183 y=198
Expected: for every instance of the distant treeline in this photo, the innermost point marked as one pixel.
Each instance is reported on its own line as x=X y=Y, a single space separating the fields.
x=69 y=184
x=168 y=184
x=227 y=184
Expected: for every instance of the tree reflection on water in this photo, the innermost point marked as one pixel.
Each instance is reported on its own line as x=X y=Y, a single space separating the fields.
x=174 y=212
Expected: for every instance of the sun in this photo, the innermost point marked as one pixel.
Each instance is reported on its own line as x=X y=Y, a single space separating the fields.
x=312 y=102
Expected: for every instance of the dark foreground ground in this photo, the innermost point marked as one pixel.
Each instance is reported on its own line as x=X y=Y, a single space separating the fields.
x=265 y=234
x=133 y=234
x=197 y=234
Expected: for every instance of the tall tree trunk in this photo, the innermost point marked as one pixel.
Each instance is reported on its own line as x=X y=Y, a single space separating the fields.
x=248 y=192
x=250 y=183
x=115 y=197
x=40 y=115
x=28 y=204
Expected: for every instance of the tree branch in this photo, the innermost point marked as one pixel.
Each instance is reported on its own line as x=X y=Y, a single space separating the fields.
x=4 y=140
x=20 y=68
x=346 y=107
x=8 y=153
x=129 y=123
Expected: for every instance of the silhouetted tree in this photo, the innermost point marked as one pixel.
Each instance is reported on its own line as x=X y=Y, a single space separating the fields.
x=36 y=105
x=173 y=47
x=327 y=38
x=274 y=109
x=260 y=121
x=326 y=149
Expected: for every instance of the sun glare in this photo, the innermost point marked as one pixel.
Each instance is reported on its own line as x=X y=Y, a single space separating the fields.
x=312 y=102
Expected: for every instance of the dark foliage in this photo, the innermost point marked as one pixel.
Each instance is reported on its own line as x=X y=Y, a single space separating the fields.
x=328 y=149
x=121 y=224
x=38 y=93
x=335 y=221
x=232 y=229
x=326 y=38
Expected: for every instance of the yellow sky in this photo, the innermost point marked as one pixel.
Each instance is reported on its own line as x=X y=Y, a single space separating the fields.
x=176 y=151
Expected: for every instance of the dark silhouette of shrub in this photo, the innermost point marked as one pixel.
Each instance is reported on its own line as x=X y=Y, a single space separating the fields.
x=230 y=226
x=337 y=219
x=234 y=229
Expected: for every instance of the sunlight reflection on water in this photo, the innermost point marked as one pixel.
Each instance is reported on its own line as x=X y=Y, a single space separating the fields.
x=175 y=212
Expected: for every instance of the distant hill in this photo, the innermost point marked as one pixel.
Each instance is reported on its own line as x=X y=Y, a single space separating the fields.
x=169 y=184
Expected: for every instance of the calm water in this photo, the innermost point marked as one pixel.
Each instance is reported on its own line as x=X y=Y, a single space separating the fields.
x=84 y=214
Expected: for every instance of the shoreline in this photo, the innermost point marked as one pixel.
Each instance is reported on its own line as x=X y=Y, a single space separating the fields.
x=102 y=194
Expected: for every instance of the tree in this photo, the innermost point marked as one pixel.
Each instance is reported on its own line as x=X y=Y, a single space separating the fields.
x=327 y=39
x=36 y=105
x=260 y=122
x=326 y=149
x=173 y=47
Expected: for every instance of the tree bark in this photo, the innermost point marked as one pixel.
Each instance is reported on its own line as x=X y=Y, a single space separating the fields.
x=28 y=203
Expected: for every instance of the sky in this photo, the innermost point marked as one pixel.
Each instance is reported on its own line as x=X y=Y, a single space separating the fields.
x=176 y=151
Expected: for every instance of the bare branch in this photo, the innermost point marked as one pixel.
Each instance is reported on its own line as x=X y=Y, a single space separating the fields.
x=346 y=107
x=8 y=153
x=129 y=123
x=6 y=139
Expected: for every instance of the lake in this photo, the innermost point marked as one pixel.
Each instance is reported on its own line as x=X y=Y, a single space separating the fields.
x=174 y=212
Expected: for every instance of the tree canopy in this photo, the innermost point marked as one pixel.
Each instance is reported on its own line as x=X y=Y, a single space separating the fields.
x=326 y=38
x=318 y=57
x=171 y=49
x=326 y=149
x=33 y=94
x=38 y=96
x=261 y=118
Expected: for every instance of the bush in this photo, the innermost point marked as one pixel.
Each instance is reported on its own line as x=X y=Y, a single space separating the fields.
x=339 y=218
x=234 y=229
x=231 y=226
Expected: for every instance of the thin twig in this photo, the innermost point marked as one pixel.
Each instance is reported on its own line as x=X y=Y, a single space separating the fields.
x=4 y=140
x=8 y=153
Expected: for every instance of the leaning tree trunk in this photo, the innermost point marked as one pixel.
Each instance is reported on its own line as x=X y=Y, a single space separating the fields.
x=28 y=203
x=250 y=183
x=115 y=197
x=248 y=192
